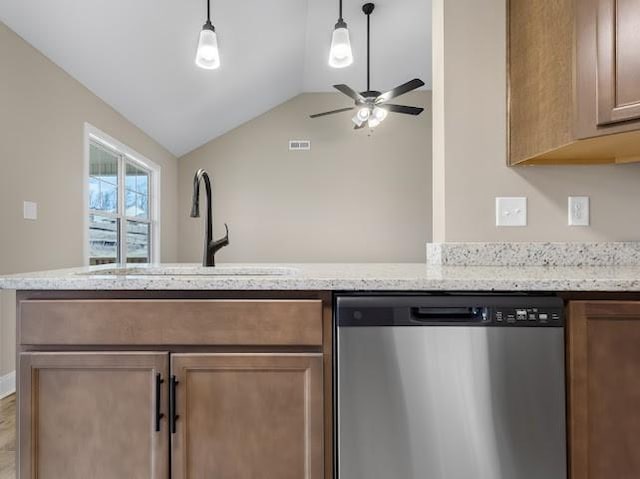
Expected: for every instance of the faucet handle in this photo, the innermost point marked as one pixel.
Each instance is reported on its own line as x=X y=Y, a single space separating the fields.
x=222 y=242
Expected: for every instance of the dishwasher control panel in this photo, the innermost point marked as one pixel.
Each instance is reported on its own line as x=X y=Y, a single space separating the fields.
x=522 y=315
x=459 y=310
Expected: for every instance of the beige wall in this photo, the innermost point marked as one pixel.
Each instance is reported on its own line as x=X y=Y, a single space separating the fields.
x=353 y=197
x=42 y=116
x=470 y=146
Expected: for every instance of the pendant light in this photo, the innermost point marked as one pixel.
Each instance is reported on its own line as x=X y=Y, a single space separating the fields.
x=340 y=55
x=207 y=55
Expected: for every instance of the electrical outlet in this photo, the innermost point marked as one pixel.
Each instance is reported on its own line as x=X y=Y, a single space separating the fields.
x=578 y=210
x=30 y=210
x=511 y=211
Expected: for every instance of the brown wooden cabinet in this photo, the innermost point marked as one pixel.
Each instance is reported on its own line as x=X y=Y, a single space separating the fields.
x=618 y=68
x=604 y=389
x=244 y=416
x=187 y=385
x=92 y=415
x=574 y=81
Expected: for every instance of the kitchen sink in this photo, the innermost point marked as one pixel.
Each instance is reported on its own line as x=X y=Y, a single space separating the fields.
x=195 y=271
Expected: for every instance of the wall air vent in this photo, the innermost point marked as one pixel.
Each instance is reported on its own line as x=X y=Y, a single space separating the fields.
x=296 y=145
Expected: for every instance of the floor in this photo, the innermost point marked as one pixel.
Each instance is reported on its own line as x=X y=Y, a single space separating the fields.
x=8 y=437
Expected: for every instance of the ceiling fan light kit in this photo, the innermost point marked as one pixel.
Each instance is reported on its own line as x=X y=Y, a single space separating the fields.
x=371 y=105
x=340 y=55
x=207 y=54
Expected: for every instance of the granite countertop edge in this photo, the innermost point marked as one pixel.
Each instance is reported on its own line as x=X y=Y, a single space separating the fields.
x=346 y=277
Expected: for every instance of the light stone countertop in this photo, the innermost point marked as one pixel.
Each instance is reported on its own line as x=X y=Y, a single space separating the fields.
x=337 y=277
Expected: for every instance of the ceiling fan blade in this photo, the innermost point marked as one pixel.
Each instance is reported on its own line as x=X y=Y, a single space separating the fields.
x=331 y=112
x=400 y=90
x=408 y=110
x=350 y=92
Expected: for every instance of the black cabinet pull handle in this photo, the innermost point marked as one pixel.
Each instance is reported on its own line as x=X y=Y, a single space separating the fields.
x=159 y=415
x=172 y=400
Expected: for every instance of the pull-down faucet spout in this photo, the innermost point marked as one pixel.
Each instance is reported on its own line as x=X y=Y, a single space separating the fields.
x=210 y=246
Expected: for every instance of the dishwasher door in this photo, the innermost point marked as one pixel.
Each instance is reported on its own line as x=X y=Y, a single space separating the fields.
x=452 y=393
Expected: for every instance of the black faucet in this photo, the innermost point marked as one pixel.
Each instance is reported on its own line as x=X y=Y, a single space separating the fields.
x=210 y=246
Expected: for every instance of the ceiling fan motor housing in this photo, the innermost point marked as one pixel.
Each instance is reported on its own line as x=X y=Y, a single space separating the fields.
x=370 y=94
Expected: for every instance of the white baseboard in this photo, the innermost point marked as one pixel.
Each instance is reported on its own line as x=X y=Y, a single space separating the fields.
x=7 y=384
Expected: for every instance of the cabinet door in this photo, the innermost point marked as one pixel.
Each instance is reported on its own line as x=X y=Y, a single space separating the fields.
x=93 y=415
x=618 y=60
x=604 y=389
x=244 y=416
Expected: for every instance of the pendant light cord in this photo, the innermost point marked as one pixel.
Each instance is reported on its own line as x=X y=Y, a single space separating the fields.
x=208 y=11
x=340 y=10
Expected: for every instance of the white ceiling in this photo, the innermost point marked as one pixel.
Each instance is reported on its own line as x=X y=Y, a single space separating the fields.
x=138 y=55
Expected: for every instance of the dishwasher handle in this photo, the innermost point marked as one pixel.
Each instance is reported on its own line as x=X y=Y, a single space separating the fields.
x=428 y=314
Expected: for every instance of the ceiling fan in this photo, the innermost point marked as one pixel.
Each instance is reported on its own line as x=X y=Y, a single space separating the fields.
x=371 y=105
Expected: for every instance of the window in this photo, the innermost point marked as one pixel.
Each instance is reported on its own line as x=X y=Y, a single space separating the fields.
x=122 y=217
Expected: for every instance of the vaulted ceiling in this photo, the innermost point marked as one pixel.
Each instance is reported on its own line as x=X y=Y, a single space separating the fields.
x=138 y=56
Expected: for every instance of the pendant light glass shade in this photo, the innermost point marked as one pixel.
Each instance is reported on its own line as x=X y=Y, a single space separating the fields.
x=207 y=55
x=340 y=55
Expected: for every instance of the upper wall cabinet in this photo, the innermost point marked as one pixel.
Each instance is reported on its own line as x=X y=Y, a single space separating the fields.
x=618 y=78
x=574 y=81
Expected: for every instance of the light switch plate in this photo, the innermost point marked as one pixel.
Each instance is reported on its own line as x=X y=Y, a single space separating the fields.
x=511 y=211
x=30 y=210
x=578 y=211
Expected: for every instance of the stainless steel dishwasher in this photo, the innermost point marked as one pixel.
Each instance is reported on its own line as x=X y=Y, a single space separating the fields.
x=450 y=387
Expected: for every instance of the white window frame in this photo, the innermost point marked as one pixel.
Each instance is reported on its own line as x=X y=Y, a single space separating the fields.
x=126 y=155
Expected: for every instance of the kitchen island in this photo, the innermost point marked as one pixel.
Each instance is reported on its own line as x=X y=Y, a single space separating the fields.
x=183 y=370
